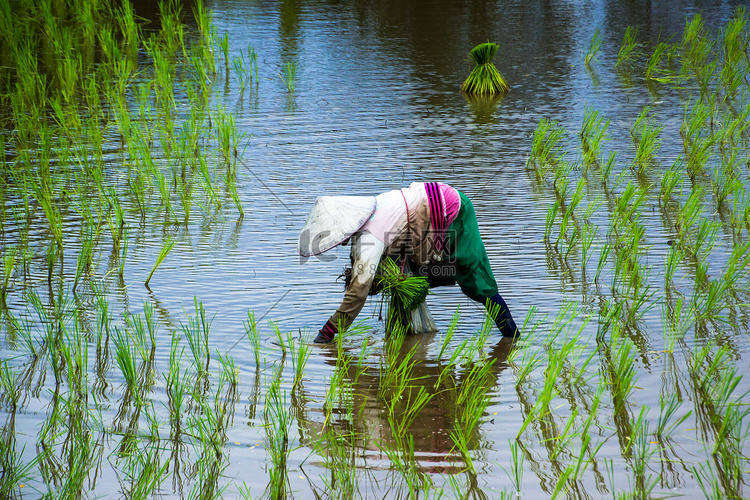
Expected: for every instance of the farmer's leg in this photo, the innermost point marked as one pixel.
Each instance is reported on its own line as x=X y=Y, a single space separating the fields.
x=503 y=319
x=473 y=271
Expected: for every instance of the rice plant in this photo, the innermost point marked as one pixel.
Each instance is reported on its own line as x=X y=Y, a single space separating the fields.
x=484 y=78
x=168 y=246
x=9 y=263
x=278 y=421
x=251 y=328
x=630 y=49
x=197 y=330
x=657 y=67
x=300 y=353
x=404 y=294
x=646 y=138
x=593 y=134
x=289 y=76
x=546 y=150
x=697 y=145
x=594 y=47
x=669 y=181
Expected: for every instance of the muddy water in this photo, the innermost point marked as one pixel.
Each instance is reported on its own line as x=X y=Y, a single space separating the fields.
x=376 y=107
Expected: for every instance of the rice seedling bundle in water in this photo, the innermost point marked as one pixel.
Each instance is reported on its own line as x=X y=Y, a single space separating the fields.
x=484 y=78
x=404 y=294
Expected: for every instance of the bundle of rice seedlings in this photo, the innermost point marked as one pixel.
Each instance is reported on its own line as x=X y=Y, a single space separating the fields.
x=484 y=78
x=404 y=294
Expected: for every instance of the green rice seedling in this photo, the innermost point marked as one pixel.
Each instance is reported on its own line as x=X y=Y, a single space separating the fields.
x=14 y=471
x=620 y=369
x=731 y=78
x=229 y=372
x=224 y=127
x=280 y=339
x=733 y=128
x=75 y=353
x=204 y=21
x=594 y=47
x=89 y=236
x=406 y=403
x=565 y=436
x=115 y=216
x=550 y=220
x=404 y=294
x=607 y=169
x=717 y=379
x=734 y=37
x=251 y=328
x=197 y=332
x=124 y=254
x=656 y=69
x=738 y=262
x=674 y=257
x=278 y=421
x=709 y=481
x=704 y=240
x=529 y=359
x=484 y=78
x=695 y=45
x=449 y=334
x=593 y=134
x=646 y=138
x=168 y=246
x=236 y=137
x=300 y=353
x=640 y=453
x=516 y=470
x=22 y=329
x=185 y=190
x=9 y=264
x=560 y=184
x=395 y=369
x=669 y=181
x=289 y=76
x=128 y=23
x=725 y=183
x=43 y=193
x=687 y=216
x=555 y=365
x=630 y=48
x=666 y=424
x=144 y=472
x=240 y=72
x=546 y=150
x=709 y=303
x=224 y=46
x=402 y=458
x=10 y=386
x=232 y=189
x=208 y=186
x=697 y=146
x=126 y=354
x=588 y=235
x=209 y=427
x=171 y=27
x=176 y=389
x=252 y=57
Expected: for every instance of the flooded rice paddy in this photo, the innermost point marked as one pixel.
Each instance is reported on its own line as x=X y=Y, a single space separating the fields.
x=158 y=163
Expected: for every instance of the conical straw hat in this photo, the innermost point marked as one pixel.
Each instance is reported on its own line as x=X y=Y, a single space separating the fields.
x=332 y=220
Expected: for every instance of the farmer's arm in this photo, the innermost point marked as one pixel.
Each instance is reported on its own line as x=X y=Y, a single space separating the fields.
x=366 y=253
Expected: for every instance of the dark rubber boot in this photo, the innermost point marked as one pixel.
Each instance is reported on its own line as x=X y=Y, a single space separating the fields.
x=504 y=320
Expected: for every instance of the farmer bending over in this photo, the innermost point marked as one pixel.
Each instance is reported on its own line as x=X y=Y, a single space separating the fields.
x=431 y=224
